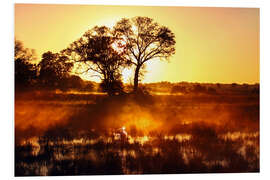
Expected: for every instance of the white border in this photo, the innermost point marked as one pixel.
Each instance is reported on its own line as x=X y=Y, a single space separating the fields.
x=7 y=86
x=209 y=3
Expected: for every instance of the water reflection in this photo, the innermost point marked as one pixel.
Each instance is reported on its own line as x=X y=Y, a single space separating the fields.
x=229 y=152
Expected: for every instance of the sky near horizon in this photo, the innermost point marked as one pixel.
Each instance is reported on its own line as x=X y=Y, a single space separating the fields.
x=212 y=44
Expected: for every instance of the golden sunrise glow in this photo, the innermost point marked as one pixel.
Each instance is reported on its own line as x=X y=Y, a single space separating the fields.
x=212 y=44
x=128 y=75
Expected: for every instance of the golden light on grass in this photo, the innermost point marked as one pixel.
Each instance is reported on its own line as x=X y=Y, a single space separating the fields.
x=142 y=125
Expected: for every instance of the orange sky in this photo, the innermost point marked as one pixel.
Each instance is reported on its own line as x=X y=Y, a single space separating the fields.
x=212 y=44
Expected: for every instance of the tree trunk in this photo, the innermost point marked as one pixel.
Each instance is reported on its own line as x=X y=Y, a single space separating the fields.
x=136 y=79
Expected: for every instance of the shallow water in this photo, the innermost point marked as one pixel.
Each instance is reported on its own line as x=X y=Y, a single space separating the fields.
x=74 y=135
x=139 y=155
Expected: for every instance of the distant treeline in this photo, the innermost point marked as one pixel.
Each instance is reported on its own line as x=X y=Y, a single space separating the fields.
x=202 y=88
x=53 y=72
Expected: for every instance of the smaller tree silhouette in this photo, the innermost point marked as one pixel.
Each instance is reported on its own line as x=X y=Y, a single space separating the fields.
x=54 y=68
x=98 y=51
x=25 y=69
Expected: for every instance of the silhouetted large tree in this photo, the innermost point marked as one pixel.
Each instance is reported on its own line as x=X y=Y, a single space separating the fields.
x=97 y=50
x=145 y=40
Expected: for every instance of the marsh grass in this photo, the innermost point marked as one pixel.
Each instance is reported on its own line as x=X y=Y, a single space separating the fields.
x=181 y=134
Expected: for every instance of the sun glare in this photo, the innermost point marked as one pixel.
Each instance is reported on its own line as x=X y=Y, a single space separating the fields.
x=127 y=75
x=119 y=46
